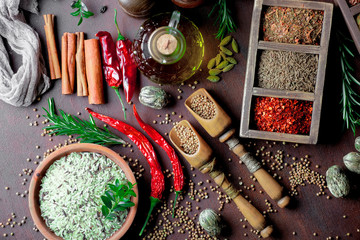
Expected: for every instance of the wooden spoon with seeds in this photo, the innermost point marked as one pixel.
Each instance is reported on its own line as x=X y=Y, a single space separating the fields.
x=220 y=126
x=204 y=160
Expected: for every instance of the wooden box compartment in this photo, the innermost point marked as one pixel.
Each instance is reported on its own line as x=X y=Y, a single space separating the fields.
x=250 y=88
x=350 y=13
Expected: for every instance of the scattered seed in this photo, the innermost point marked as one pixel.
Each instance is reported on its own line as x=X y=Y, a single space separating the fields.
x=217 y=59
x=211 y=63
x=226 y=51
x=228 y=68
x=222 y=64
x=235 y=46
x=103 y=9
x=223 y=55
x=225 y=40
x=231 y=60
x=214 y=72
x=213 y=78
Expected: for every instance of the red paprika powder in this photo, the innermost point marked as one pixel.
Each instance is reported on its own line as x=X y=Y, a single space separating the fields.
x=282 y=115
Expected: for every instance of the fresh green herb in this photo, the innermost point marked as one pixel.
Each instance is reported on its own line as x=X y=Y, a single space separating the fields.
x=350 y=99
x=117 y=198
x=224 y=19
x=66 y=124
x=81 y=11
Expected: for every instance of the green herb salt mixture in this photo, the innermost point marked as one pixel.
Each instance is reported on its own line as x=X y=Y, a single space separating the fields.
x=70 y=195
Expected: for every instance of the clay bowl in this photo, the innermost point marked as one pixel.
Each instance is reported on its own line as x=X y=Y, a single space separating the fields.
x=81 y=147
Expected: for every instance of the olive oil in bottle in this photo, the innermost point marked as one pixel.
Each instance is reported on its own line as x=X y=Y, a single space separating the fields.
x=168 y=48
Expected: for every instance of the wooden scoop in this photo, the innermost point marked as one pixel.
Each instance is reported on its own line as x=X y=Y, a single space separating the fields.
x=204 y=160
x=220 y=126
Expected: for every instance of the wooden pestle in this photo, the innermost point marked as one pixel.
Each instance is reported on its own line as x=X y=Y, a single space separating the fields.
x=204 y=160
x=220 y=126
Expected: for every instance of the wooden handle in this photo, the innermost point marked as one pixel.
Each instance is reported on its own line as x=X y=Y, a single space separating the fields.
x=267 y=182
x=272 y=187
x=204 y=161
x=253 y=216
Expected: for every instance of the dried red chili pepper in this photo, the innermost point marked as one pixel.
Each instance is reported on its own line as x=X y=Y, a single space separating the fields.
x=177 y=168
x=157 y=180
x=111 y=66
x=282 y=115
x=127 y=63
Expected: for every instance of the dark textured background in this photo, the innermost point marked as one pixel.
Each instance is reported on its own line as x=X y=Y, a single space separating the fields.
x=307 y=214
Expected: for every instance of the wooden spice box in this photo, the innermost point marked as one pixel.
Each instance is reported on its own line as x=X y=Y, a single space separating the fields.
x=350 y=13
x=250 y=89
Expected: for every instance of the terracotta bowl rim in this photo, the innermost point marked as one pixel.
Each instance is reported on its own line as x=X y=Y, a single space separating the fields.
x=40 y=171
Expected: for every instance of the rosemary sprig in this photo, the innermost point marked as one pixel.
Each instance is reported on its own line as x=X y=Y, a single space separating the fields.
x=224 y=19
x=82 y=10
x=66 y=124
x=350 y=99
x=117 y=198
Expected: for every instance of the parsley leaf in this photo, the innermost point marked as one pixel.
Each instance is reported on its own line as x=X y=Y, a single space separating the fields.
x=81 y=11
x=116 y=198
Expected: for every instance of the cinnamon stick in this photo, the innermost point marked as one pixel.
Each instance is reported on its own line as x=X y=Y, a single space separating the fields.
x=71 y=52
x=65 y=81
x=82 y=86
x=51 y=64
x=94 y=71
x=54 y=65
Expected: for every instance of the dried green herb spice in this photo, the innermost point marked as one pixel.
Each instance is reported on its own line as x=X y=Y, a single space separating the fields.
x=211 y=222
x=357 y=144
x=287 y=70
x=211 y=63
x=352 y=162
x=337 y=181
x=293 y=25
x=153 y=97
x=223 y=62
x=213 y=78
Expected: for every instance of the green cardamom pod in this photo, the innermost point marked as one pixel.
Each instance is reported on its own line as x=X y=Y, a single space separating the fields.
x=352 y=162
x=226 y=51
x=214 y=72
x=213 y=78
x=235 y=46
x=231 y=60
x=211 y=63
x=222 y=64
x=218 y=59
x=357 y=144
x=228 y=67
x=225 y=41
x=211 y=222
x=337 y=181
x=223 y=55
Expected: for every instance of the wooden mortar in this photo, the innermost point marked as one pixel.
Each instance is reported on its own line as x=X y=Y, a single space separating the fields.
x=220 y=126
x=204 y=160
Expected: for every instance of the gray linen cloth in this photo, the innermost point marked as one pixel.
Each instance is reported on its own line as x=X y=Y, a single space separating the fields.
x=22 y=87
x=30 y=6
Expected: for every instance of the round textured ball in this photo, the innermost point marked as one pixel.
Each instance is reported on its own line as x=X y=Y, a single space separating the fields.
x=211 y=222
x=352 y=162
x=337 y=181
x=357 y=143
x=153 y=97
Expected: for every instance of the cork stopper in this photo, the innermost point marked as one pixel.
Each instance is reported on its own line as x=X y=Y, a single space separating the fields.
x=166 y=44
